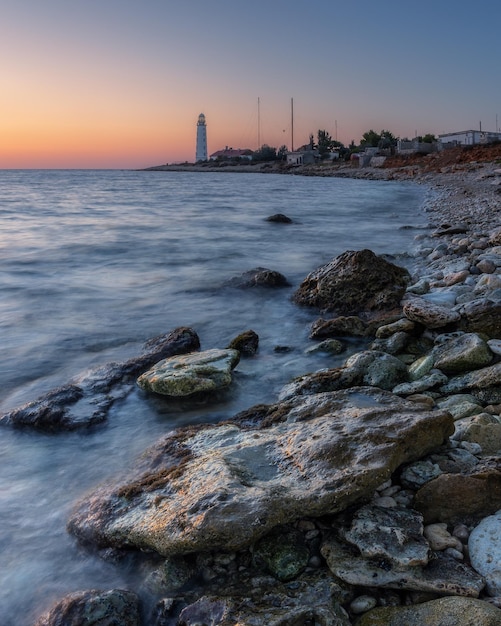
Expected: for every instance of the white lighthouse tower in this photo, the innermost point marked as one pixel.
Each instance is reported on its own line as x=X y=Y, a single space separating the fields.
x=201 y=139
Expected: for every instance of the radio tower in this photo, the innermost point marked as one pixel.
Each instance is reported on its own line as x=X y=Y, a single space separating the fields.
x=201 y=154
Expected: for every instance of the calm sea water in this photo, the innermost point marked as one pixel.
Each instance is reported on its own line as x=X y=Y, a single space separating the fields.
x=94 y=263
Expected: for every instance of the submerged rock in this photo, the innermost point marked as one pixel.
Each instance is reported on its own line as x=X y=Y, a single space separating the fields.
x=194 y=373
x=86 y=401
x=354 y=282
x=279 y=218
x=259 y=277
x=225 y=486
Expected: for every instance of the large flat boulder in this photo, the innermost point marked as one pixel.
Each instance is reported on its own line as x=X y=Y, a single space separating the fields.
x=224 y=486
x=354 y=282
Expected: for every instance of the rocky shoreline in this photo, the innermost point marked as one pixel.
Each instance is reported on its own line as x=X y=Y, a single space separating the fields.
x=367 y=494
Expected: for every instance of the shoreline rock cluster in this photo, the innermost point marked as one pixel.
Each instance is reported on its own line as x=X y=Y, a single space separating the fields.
x=367 y=494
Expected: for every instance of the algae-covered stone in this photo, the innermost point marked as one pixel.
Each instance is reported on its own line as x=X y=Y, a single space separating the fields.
x=449 y=610
x=191 y=373
x=461 y=354
x=284 y=554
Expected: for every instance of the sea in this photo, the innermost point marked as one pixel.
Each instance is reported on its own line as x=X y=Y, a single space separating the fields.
x=95 y=263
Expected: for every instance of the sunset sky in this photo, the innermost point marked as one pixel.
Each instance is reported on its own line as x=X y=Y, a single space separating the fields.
x=120 y=83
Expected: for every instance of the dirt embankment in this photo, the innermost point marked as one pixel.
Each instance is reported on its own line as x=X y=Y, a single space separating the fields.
x=449 y=158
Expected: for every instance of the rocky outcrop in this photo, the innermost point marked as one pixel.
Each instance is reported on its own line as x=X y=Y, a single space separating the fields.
x=354 y=283
x=225 y=486
x=87 y=401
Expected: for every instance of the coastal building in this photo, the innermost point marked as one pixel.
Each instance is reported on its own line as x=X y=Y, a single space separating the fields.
x=468 y=138
x=201 y=152
x=229 y=154
x=414 y=146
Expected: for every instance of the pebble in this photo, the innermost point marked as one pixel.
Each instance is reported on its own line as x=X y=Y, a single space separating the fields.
x=362 y=604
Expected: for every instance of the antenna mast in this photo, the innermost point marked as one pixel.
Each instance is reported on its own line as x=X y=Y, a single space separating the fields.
x=292 y=124
x=258 y=125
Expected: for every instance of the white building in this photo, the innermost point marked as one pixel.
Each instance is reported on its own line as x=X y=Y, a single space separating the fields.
x=201 y=152
x=469 y=137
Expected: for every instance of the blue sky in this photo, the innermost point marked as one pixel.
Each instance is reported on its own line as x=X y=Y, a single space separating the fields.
x=117 y=83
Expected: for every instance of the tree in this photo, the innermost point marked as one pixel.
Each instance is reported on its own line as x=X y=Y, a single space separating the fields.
x=370 y=139
x=282 y=153
x=265 y=153
x=326 y=144
x=428 y=138
x=384 y=139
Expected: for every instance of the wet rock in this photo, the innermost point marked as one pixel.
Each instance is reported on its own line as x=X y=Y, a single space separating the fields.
x=94 y=608
x=330 y=346
x=451 y=229
x=279 y=218
x=351 y=326
x=312 y=599
x=419 y=473
x=377 y=368
x=87 y=401
x=448 y=610
x=441 y=575
x=246 y=343
x=429 y=314
x=283 y=553
x=394 y=535
x=495 y=346
x=479 y=379
x=486 y=266
x=440 y=539
x=488 y=437
x=425 y=383
x=226 y=485
x=171 y=575
x=259 y=277
x=420 y=367
x=401 y=325
x=454 y=498
x=392 y=345
x=194 y=373
x=419 y=288
x=334 y=379
x=460 y=405
x=482 y=316
x=362 y=604
x=461 y=354
x=369 y=367
x=484 y=546
x=354 y=282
